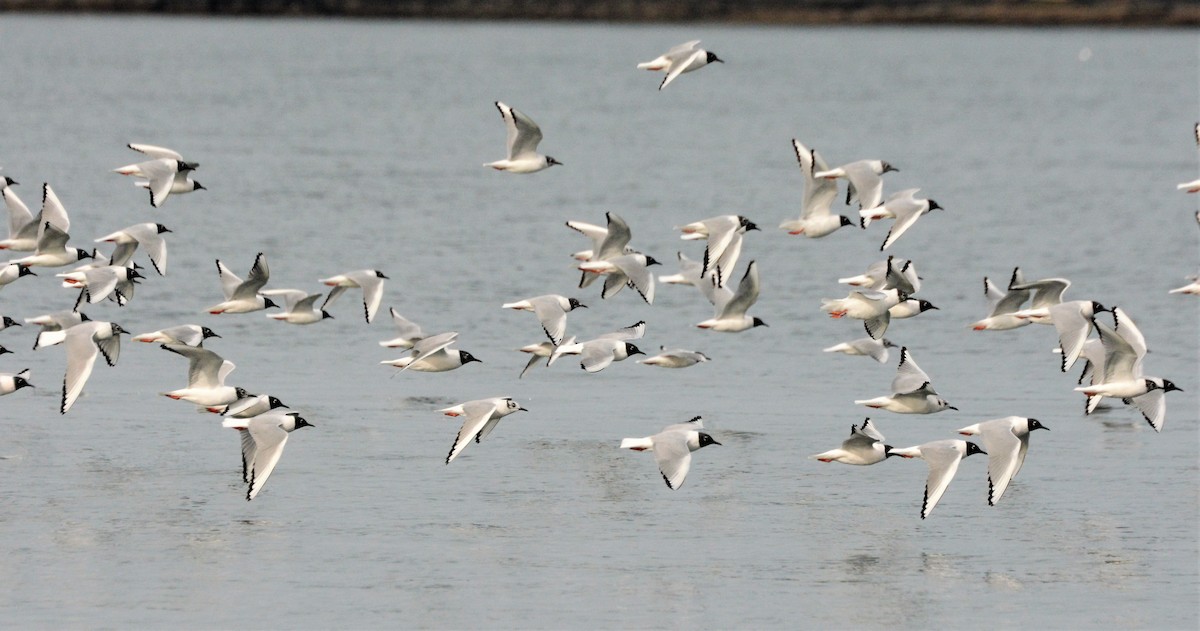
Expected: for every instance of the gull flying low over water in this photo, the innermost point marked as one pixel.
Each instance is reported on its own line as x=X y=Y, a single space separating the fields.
x=1007 y=441
x=723 y=236
x=1073 y=321
x=22 y=225
x=300 y=307
x=433 y=354
x=523 y=138
x=10 y=383
x=189 y=334
x=97 y=283
x=675 y=358
x=479 y=419
x=685 y=57
x=866 y=346
x=1194 y=185
x=912 y=392
x=1046 y=293
x=54 y=326
x=371 y=282
x=263 y=439
x=206 y=377
x=84 y=341
x=599 y=353
x=869 y=305
x=905 y=208
x=865 y=179
x=243 y=296
x=407 y=332
x=943 y=457
x=148 y=236
x=1121 y=376
x=815 y=219
x=673 y=448
x=1004 y=305
x=164 y=174
x=864 y=447
x=551 y=310
x=731 y=306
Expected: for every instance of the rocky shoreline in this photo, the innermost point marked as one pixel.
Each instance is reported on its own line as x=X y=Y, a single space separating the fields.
x=1140 y=13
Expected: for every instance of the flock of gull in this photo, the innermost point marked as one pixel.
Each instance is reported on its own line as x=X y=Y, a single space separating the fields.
x=886 y=291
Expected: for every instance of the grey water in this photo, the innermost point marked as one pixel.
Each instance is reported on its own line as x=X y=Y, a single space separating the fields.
x=336 y=145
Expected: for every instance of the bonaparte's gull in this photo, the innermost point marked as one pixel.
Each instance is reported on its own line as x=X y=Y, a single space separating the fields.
x=300 y=307
x=912 y=391
x=22 y=225
x=1122 y=378
x=1007 y=441
x=538 y=352
x=206 y=377
x=1004 y=305
x=724 y=239
x=815 y=219
x=864 y=447
x=479 y=419
x=54 y=326
x=731 y=307
x=6 y=322
x=865 y=179
x=147 y=235
x=1073 y=321
x=12 y=271
x=433 y=354
x=943 y=457
x=407 y=332
x=243 y=296
x=263 y=438
x=10 y=383
x=189 y=334
x=248 y=406
x=675 y=358
x=673 y=448
x=890 y=273
x=685 y=57
x=84 y=341
x=99 y=282
x=523 y=138
x=909 y=308
x=689 y=272
x=165 y=174
x=870 y=347
x=52 y=250
x=905 y=208
x=371 y=282
x=1046 y=293
x=551 y=310
x=869 y=305
x=597 y=354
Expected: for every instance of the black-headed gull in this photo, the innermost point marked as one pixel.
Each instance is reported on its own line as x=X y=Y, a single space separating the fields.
x=599 y=353
x=551 y=310
x=815 y=219
x=300 y=307
x=371 y=282
x=905 y=208
x=864 y=447
x=1047 y=292
x=263 y=439
x=83 y=342
x=523 y=138
x=479 y=419
x=685 y=57
x=243 y=296
x=166 y=173
x=433 y=354
x=1121 y=375
x=912 y=391
x=723 y=236
x=1007 y=441
x=731 y=307
x=869 y=305
x=52 y=250
x=1073 y=322
x=943 y=457
x=673 y=448
x=97 y=283
x=206 y=377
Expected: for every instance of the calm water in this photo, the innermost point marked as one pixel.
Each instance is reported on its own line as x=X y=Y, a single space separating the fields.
x=337 y=145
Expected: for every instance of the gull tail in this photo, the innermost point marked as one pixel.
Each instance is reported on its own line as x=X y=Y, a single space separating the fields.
x=637 y=444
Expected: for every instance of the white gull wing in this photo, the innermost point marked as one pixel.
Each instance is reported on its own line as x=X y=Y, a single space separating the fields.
x=429 y=346
x=1132 y=335
x=405 y=328
x=160 y=176
x=616 y=238
x=1046 y=292
x=206 y=369
x=551 y=315
x=19 y=215
x=476 y=414
x=255 y=280
x=673 y=456
x=1073 y=324
x=269 y=439
x=229 y=280
x=866 y=432
x=680 y=65
x=1006 y=454
x=634 y=331
x=909 y=376
x=745 y=296
x=1153 y=406
x=1121 y=360
x=819 y=193
x=866 y=183
x=907 y=212
x=633 y=267
x=943 y=457
x=523 y=134
x=155 y=151
x=82 y=350
x=1010 y=301
x=53 y=212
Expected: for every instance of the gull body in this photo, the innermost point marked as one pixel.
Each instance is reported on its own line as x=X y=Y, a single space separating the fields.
x=189 y=334
x=685 y=57
x=523 y=138
x=864 y=447
x=866 y=346
x=816 y=220
x=1007 y=441
x=551 y=310
x=300 y=307
x=912 y=391
x=673 y=448
x=166 y=173
x=675 y=358
x=243 y=296
x=206 y=377
x=54 y=326
x=731 y=307
x=371 y=282
x=1003 y=305
x=263 y=438
x=146 y=235
x=84 y=342
x=943 y=457
x=433 y=354
x=865 y=179
x=723 y=237
x=479 y=419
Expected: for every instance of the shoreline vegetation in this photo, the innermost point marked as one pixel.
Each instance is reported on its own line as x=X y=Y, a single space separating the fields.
x=1117 y=13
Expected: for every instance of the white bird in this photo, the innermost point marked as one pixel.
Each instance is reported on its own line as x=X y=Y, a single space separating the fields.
x=147 y=235
x=97 y=283
x=905 y=208
x=10 y=383
x=870 y=347
x=890 y=273
x=1073 y=322
x=943 y=457
x=685 y=57
x=538 y=352
x=865 y=179
x=84 y=341
x=52 y=250
x=243 y=296
x=1121 y=376
x=621 y=266
x=723 y=235
x=596 y=234
x=1046 y=293
x=480 y=418
x=248 y=406
x=1192 y=288
x=675 y=358
x=1007 y=441
x=300 y=307
x=407 y=331
x=869 y=305
x=731 y=307
x=263 y=438
x=689 y=272
x=54 y=326
x=22 y=225
x=189 y=334
x=599 y=353
x=910 y=307
x=673 y=448
x=1003 y=305
x=164 y=174
x=433 y=354
x=912 y=391
x=10 y=272
x=864 y=447
x=1194 y=185
x=371 y=282
x=206 y=377
x=523 y=138
x=815 y=219
x=551 y=310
